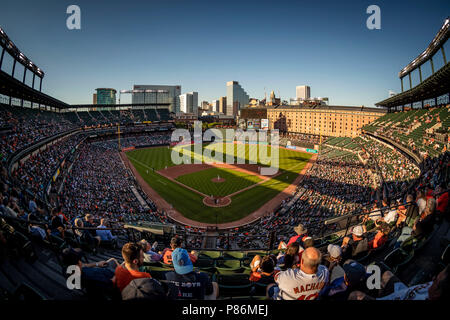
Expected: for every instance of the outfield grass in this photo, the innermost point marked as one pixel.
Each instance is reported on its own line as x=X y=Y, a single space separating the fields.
x=190 y=204
x=234 y=181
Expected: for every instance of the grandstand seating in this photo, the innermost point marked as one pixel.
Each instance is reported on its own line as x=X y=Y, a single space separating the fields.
x=410 y=128
x=332 y=188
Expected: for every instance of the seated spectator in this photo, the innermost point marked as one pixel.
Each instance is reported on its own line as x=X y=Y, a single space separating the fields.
x=6 y=208
x=184 y=283
x=56 y=226
x=6 y=231
x=375 y=214
x=354 y=278
x=442 y=200
x=407 y=217
x=36 y=230
x=421 y=201
x=89 y=223
x=263 y=270
x=144 y=289
x=175 y=243
x=33 y=208
x=301 y=234
x=393 y=289
x=411 y=216
x=84 y=234
x=291 y=258
x=105 y=235
x=390 y=218
x=93 y=275
x=380 y=237
x=307 y=243
x=304 y=283
x=355 y=245
x=64 y=219
x=133 y=257
x=333 y=260
x=149 y=253
x=425 y=224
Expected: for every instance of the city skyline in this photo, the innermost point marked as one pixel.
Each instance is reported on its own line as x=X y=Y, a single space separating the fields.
x=317 y=50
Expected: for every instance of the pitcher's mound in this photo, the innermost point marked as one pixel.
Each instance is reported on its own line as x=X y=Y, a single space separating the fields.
x=216 y=202
x=218 y=180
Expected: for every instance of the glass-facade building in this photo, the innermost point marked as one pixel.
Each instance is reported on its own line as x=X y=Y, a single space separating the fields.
x=189 y=102
x=105 y=96
x=157 y=94
x=237 y=98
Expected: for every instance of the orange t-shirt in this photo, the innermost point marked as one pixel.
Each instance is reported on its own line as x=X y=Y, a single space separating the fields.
x=167 y=257
x=125 y=276
x=378 y=241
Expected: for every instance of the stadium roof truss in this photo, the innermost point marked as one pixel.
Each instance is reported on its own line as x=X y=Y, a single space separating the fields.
x=436 y=85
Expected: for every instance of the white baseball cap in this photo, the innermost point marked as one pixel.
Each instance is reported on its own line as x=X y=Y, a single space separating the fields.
x=358 y=231
x=334 y=250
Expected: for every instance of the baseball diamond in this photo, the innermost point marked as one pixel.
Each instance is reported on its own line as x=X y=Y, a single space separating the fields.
x=184 y=187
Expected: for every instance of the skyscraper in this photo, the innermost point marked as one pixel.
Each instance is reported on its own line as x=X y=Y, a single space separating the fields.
x=157 y=94
x=303 y=92
x=223 y=105
x=189 y=102
x=215 y=105
x=237 y=98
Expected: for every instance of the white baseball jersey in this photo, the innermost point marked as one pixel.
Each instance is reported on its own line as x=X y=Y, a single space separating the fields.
x=294 y=284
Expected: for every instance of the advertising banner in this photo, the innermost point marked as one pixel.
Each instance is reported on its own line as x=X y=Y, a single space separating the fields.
x=264 y=124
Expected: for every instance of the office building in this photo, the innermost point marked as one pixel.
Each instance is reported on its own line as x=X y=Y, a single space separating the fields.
x=223 y=105
x=237 y=98
x=157 y=94
x=302 y=92
x=215 y=105
x=105 y=96
x=189 y=102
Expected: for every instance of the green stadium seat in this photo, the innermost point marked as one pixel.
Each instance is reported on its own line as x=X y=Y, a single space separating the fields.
x=233 y=284
x=158 y=273
x=233 y=255
x=398 y=258
x=209 y=254
x=204 y=263
x=231 y=270
x=230 y=264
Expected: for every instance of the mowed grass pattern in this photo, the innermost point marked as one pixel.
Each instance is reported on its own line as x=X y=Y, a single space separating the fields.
x=190 y=204
x=234 y=181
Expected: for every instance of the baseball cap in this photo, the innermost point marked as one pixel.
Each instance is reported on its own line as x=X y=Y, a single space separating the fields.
x=354 y=272
x=143 y=288
x=181 y=261
x=358 y=231
x=334 y=250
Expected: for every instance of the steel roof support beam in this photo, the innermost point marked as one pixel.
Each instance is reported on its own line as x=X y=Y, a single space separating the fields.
x=420 y=73
x=1 y=58
x=443 y=55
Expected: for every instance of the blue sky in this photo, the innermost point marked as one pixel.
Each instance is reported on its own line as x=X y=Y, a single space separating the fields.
x=203 y=44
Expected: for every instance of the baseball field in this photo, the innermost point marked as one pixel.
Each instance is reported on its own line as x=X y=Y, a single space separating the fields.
x=243 y=190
